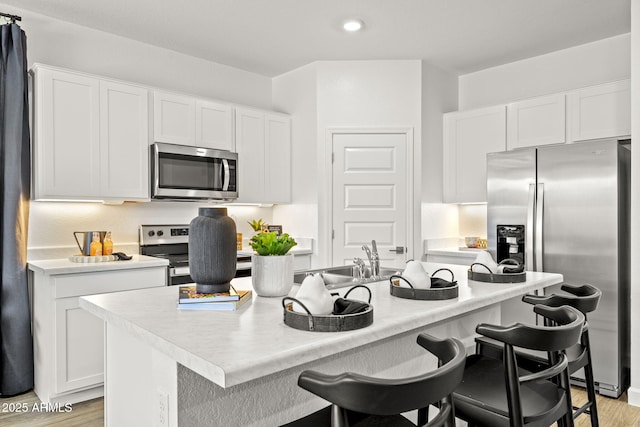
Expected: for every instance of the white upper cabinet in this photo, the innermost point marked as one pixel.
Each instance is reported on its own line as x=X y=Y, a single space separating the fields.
x=250 y=148
x=278 y=157
x=214 y=125
x=90 y=138
x=601 y=111
x=184 y=120
x=124 y=136
x=263 y=143
x=66 y=135
x=468 y=137
x=537 y=121
x=174 y=118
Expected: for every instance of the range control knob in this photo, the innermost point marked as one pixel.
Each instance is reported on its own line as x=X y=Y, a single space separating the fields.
x=160 y=233
x=151 y=233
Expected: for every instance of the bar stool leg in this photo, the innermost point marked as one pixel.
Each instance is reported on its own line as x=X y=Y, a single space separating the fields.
x=591 y=388
x=339 y=417
x=423 y=416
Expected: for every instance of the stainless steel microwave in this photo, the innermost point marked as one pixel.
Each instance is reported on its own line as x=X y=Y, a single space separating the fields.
x=182 y=172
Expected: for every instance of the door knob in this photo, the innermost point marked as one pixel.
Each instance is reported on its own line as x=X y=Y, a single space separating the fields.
x=398 y=249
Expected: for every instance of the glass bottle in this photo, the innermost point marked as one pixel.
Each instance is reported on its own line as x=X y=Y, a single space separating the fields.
x=107 y=244
x=96 y=247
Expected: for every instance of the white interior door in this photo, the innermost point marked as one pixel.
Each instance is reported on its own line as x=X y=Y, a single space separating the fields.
x=370 y=196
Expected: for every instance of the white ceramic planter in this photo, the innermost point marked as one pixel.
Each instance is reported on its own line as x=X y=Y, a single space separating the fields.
x=272 y=275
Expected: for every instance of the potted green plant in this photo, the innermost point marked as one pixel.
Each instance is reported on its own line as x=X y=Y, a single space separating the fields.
x=272 y=264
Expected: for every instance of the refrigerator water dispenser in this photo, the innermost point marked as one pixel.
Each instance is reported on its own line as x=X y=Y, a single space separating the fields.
x=511 y=241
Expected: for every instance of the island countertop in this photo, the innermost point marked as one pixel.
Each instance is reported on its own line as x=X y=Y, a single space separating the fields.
x=234 y=347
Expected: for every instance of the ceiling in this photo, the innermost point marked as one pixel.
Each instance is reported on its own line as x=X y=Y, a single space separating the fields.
x=271 y=37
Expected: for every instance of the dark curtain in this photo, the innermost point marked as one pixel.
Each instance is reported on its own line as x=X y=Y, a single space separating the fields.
x=16 y=345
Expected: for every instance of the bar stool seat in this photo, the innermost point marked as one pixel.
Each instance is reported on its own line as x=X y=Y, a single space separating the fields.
x=359 y=400
x=584 y=298
x=497 y=392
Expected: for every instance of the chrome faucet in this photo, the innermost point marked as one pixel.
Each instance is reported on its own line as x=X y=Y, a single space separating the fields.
x=359 y=263
x=374 y=258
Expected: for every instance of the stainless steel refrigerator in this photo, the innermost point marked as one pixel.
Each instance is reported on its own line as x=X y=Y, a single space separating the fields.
x=571 y=205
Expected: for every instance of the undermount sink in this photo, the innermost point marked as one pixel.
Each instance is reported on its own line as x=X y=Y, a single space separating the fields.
x=343 y=276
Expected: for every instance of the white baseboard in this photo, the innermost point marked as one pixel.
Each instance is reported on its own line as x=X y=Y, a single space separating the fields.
x=633 y=396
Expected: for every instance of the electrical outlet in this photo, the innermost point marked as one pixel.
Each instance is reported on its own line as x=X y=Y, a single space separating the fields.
x=163 y=409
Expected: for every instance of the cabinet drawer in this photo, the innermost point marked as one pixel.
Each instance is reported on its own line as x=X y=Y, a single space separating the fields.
x=69 y=285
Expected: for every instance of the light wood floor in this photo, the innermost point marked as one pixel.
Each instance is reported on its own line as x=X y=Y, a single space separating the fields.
x=83 y=414
x=612 y=413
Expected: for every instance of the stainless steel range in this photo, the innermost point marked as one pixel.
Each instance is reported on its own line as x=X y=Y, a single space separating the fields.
x=171 y=242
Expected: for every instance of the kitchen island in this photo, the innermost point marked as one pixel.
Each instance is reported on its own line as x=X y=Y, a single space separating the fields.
x=168 y=367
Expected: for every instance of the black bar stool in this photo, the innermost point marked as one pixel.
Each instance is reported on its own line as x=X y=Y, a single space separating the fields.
x=359 y=400
x=497 y=392
x=584 y=298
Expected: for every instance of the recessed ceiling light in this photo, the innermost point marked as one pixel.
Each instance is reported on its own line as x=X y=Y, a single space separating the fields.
x=352 y=25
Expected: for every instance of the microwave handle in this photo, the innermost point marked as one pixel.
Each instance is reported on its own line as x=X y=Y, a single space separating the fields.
x=225 y=175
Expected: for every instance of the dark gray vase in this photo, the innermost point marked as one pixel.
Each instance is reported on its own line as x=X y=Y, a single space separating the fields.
x=212 y=250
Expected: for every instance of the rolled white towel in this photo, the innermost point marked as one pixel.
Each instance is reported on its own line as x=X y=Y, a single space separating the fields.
x=314 y=295
x=415 y=273
x=484 y=258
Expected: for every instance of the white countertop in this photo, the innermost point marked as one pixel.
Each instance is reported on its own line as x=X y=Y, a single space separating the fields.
x=233 y=347
x=246 y=250
x=460 y=252
x=64 y=266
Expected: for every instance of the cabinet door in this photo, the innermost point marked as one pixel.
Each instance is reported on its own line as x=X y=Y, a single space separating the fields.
x=66 y=143
x=250 y=136
x=538 y=121
x=214 y=123
x=173 y=118
x=468 y=137
x=124 y=141
x=602 y=111
x=79 y=344
x=277 y=158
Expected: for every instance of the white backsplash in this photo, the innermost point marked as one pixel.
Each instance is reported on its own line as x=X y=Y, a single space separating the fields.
x=51 y=224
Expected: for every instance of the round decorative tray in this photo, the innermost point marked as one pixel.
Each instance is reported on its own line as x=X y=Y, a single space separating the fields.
x=327 y=323
x=495 y=277
x=92 y=259
x=440 y=289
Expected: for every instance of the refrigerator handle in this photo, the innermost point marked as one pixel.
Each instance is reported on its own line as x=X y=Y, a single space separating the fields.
x=539 y=226
x=529 y=243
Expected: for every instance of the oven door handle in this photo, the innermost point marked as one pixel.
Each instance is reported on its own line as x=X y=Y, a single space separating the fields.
x=178 y=271
x=225 y=174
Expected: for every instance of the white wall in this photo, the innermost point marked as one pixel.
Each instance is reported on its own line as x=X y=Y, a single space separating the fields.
x=365 y=94
x=295 y=92
x=52 y=224
x=634 y=391
x=589 y=64
x=439 y=96
x=67 y=45
x=54 y=42
x=330 y=94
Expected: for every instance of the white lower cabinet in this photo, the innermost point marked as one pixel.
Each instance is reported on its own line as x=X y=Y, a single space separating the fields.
x=79 y=347
x=69 y=341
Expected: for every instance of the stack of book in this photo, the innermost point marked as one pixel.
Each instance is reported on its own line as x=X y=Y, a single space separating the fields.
x=190 y=299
